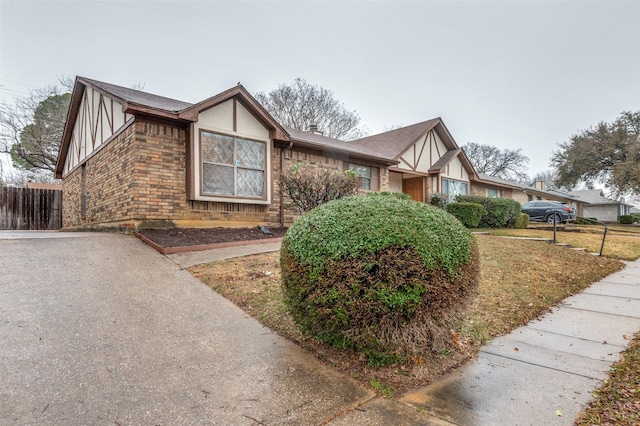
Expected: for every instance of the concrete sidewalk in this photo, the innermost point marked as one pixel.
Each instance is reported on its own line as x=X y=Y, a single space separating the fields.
x=544 y=372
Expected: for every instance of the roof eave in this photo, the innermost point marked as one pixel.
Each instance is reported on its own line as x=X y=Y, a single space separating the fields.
x=70 y=121
x=362 y=156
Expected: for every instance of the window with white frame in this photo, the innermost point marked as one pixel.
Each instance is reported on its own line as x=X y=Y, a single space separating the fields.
x=453 y=188
x=232 y=166
x=493 y=193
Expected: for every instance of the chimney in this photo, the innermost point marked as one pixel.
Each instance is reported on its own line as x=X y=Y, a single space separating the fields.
x=314 y=129
x=539 y=184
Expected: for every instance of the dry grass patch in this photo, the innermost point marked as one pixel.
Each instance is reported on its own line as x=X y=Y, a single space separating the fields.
x=624 y=246
x=522 y=279
x=617 y=401
x=519 y=281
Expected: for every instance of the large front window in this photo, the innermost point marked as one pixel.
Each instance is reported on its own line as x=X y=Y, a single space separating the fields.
x=232 y=166
x=453 y=188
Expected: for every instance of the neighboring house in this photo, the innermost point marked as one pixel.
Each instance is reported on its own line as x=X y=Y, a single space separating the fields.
x=601 y=207
x=523 y=193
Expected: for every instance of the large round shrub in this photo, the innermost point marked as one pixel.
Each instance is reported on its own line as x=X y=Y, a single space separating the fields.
x=379 y=273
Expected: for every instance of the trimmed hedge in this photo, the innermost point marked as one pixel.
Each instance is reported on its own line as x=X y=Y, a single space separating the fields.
x=467 y=213
x=626 y=219
x=379 y=273
x=522 y=222
x=499 y=212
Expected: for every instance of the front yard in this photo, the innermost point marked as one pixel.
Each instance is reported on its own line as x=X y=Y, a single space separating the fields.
x=520 y=280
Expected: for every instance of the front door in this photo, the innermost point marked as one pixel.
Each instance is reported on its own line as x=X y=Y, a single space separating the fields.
x=414 y=187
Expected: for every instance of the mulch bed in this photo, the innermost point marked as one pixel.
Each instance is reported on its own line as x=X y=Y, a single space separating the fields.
x=184 y=237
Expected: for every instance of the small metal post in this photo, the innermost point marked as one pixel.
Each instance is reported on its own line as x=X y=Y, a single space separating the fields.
x=554 y=229
x=603 y=238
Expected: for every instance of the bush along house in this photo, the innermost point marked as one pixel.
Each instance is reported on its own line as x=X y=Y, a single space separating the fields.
x=130 y=159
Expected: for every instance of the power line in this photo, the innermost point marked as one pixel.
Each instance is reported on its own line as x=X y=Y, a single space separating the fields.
x=17 y=82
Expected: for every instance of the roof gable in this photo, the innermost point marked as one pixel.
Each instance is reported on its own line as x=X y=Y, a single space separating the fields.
x=240 y=94
x=393 y=143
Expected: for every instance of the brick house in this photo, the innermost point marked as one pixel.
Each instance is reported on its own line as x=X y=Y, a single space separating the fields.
x=132 y=159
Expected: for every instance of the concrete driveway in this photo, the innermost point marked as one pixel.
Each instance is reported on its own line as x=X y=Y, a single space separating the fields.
x=100 y=329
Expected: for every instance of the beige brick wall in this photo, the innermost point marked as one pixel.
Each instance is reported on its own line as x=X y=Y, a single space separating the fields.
x=110 y=196
x=139 y=179
x=479 y=189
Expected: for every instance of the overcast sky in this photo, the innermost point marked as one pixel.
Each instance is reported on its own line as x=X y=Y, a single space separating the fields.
x=516 y=74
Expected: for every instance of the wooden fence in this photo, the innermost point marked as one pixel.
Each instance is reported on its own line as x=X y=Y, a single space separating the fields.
x=30 y=209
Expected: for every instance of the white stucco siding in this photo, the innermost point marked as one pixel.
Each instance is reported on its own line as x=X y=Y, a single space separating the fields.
x=423 y=154
x=395 y=182
x=249 y=125
x=231 y=120
x=220 y=118
x=98 y=118
x=455 y=170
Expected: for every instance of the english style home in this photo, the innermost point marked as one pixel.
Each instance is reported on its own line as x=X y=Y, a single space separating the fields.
x=132 y=159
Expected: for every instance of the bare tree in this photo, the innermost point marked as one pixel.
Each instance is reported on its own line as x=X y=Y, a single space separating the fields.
x=549 y=178
x=302 y=105
x=505 y=164
x=31 y=128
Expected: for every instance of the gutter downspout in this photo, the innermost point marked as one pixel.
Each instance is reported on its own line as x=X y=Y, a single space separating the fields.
x=281 y=172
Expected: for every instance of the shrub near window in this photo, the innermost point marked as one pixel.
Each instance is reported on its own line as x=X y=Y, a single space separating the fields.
x=499 y=212
x=379 y=273
x=307 y=187
x=467 y=213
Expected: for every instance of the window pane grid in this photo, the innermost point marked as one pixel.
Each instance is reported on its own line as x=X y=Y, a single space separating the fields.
x=232 y=166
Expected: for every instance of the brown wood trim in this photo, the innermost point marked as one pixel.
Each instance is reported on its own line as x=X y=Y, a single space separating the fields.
x=267 y=167
x=190 y=159
x=130 y=108
x=72 y=115
x=235 y=116
x=435 y=143
x=424 y=143
x=155 y=246
x=109 y=139
x=430 y=139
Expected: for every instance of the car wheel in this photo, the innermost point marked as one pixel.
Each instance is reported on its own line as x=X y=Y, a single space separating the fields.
x=551 y=216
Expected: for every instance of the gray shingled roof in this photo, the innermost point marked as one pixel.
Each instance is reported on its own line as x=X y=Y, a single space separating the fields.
x=322 y=142
x=137 y=97
x=393 y=143
x=444 y=160
x=595 y=196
